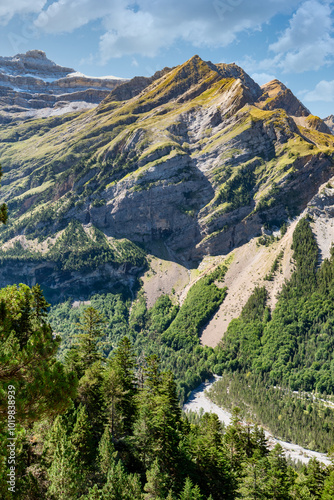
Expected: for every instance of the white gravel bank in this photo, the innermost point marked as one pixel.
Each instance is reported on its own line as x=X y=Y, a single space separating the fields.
x=198 y=400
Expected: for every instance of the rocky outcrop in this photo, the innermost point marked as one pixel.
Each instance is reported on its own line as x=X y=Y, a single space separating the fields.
x=58 y=285
x=237 y=73
x=330 y=123
x=276 y=95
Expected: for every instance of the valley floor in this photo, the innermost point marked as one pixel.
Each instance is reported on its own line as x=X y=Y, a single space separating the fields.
x=199 y=401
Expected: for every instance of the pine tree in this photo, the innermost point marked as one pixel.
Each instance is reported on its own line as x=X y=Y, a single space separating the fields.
x=3 y=207
x=121 y=485
x=93 y=494
x=235 y=438
x=156 y=485
x=65 y=475
x=81 y=437
x=91 y=395
x=120 y=384
x=328 y=490
x=209 y=452
x=252 y=485
x=157 y=430
x=39 y=304
x=190 y=492
x=316 y=474
x=106 y=453
x=27 y=359
x=279 y=481
x=52 y=439
x=114 y=393
x=91 y=325
x=152 y=373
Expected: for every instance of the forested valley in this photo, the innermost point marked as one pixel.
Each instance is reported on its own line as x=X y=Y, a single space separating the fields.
x=104 y=421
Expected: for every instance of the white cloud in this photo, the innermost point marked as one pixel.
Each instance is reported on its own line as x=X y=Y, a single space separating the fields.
x=67 y=15
x=307 y=43
x=145 y=27
x=323 y=91
x=9 y=8
x=262 y=78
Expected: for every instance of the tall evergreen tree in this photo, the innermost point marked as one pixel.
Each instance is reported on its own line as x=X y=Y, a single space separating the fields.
x=156 y=485
x=190 y=492
x=91 y=327
x=279 y=481
x=27 y=359
x=106 y=453
x=328 y=490
x=3 y=206
x=121 y=485
x=65 y=474
x=121 y=385
x=82 y=437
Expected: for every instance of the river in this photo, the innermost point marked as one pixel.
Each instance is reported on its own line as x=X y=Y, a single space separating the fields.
x=198 y=400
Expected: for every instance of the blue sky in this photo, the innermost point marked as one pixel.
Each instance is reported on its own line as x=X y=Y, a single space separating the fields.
x=291 y=40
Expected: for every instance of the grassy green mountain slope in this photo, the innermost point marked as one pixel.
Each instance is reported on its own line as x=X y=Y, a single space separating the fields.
x=193 y=157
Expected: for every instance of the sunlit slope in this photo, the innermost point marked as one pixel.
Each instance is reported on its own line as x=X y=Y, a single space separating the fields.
x=199 y=157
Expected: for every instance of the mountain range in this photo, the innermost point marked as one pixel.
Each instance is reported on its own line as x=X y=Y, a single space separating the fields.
x=181 y=227
x=32 y=86
x=170 y=171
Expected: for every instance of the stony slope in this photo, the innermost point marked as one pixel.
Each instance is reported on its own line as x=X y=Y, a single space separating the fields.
x=195 y=161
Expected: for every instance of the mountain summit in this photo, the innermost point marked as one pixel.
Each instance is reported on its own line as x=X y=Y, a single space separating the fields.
x=31 y=85
x=197 y=158
x=33 y=63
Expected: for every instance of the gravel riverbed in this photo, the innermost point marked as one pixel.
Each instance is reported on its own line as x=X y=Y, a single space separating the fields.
x=198 y=399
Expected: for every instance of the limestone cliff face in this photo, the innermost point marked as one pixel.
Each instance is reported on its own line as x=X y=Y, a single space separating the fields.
x=198 y=157
x=58 y=285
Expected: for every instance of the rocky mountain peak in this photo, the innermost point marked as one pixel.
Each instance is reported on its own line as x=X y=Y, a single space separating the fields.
x=234 y=71
x=31 y=85
x=330 y=123
x=276 y=95
x=198 y=157
x=34 y=63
